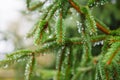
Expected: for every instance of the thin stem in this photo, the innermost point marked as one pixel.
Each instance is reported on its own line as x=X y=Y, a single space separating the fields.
x=60 y=62
x=103 y=29
x=106 y=74
x=76 y=7
x=61 y=36
x=80 y=70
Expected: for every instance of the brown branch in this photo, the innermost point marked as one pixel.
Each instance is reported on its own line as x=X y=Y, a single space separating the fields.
x=44 y=28
x=99 y=26
x=106 y=74
x=75 y=6
x=61 y=59
x=32 y=66
x=93 y=41
x=61 y=36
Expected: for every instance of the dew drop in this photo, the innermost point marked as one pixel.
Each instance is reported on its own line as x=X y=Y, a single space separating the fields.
x=102 y=3
x=77 y=22
x=66 y=55
x=19 y=60
x=73 y=72
x=43 y=54
x=27 y=69
x=56 y=15
x=91 y=5
x=47 y=31
x=77 y=14
x=79 y=31
x=102 y=42
x=98 y=43
x=50 y=36
x=63 y=47
x=79 y=26
x=71 y=18
x=95 y=44
x=6 y=66
x=91 y=33
x=56 y=67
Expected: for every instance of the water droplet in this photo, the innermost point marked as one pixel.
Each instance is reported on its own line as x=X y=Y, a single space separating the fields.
x=79 y=26
x=77 y=22
x=98 y=43
x=43 y=54
x=63 y=47
x=28 y=69
x=79 y=31
x=91 y=33
x=102 y=3
x=66 y=55
x=91 y=5
x=47 y=31
x=102 y=42
x=6 y=66
x=71 y=18
x=50 y=36
x=77 y=14
x=56 y=15
x=73 y=72
x=56 y=67
x=95 y=44
x=19 y=60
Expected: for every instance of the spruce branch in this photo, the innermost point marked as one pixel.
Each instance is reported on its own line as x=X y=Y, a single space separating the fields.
x=81 y=70
x=59 y=29
x=29 y=67
x=77 y=57
x=61 y=57
x=112 y=53
x=112 y=56
x=103 y=29
x=46 y=17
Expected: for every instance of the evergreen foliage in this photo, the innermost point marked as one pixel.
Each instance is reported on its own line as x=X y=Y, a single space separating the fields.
x=76 y=59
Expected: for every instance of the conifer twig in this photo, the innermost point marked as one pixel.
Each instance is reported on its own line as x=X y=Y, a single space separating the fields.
x=106 y=74
x=112 y=56
x=61 y=58
x=99 y=26
x=36 y=6
x=60 y=40
x=44 y=28
x=83 y=69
